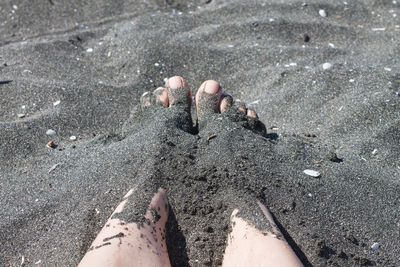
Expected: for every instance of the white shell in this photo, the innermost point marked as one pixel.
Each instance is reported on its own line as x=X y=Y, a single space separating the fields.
x=56 y=103
x=312 y=173
x=72 y=138
x=322 y=13
x=326 y=65
x=51 y=132
x=375 y=246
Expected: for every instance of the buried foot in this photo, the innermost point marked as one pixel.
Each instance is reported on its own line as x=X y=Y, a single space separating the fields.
x=175 y=93
x=169 y=105
x=211 y=100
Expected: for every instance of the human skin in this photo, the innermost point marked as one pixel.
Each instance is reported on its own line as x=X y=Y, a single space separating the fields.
x=249 y=246
x=126 y=244
x=132 y=244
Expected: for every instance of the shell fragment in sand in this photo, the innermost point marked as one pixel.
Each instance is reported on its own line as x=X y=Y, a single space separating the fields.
x=312 y=173
x=53 y=167
x=375 y=246
x=51 y=132
x=322 y=13
x=326 y=66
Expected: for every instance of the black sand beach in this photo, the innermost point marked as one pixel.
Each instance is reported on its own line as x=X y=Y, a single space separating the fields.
x=326 y=88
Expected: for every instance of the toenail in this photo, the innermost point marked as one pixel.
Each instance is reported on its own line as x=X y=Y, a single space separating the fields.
x=211 y=87
x=175 y=82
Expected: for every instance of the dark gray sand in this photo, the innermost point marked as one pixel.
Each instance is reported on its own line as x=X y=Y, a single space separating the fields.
x=98 y=57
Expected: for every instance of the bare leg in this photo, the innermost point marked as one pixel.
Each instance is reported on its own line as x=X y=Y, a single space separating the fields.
x=248 y=246
x=127 y=244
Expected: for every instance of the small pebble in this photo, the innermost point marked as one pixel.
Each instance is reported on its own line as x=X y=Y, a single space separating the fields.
x=322 y=13
x=326 y=66
x=51 y=144
x=312 y=173
x=156 y=64
x=89 y=50
x=374 y=151
x=15 y=7
x=72 y=138
x=351 y=80
x=21 y=115
x=51 y=132
x=334 y=158
x=56 y=103
x=306 y=38
x=388 y=69
x=375 y=246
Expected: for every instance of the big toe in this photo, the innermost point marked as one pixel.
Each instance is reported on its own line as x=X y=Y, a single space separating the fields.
x=208 y=99
x=179 y=93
